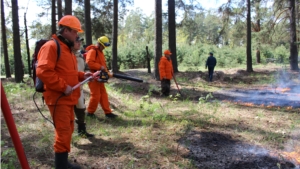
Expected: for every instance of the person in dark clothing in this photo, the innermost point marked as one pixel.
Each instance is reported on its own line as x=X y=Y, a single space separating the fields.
x=211 y=63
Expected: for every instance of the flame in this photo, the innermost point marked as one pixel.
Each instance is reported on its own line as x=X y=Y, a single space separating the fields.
x=285 y=90
x=248 y=104
x=271 y=105
x=295 y=155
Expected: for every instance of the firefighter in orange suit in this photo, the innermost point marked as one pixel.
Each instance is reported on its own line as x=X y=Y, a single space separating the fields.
x=165 y=72
x=95 y=60
x=59 y=75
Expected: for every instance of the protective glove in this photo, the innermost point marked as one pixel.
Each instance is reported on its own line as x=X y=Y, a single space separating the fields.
x=68 y=90
x=87 y=75
x=102 y=68
x=110 y=74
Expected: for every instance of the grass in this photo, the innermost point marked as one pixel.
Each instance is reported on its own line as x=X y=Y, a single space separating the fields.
x=150 y=127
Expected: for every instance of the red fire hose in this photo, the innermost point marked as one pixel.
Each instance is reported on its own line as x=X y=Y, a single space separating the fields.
x=13 y=130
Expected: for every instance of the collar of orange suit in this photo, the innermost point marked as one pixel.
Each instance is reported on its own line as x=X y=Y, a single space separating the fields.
x=168 y=57
x=65 y=41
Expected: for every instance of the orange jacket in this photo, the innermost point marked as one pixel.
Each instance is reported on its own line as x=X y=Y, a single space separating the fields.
x=57 y=74
x=93 y=60
x=165 y=68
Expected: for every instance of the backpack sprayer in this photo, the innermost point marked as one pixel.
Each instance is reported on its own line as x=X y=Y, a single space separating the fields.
x=103 y=77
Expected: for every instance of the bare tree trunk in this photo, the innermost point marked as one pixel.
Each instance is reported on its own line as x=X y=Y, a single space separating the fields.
x=87 y=22
x=249 y=56
x=298 y=24
x=257 y=28
x=293 y=37
x=27 y=46
x=115 y=38
x=16 y=42
x=158 y=36
x=4 y=42
x=257 y=55
x=59 y=9
x=53 y=17
x=68 y=7
x=148 y=60
x=172 y=33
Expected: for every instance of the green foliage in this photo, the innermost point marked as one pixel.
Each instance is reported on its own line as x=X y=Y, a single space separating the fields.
x=8 y=158
x=40 y=31
x=133 y=55
x=198 y=33
x=12 y=88
x=205 y=99
x=196 y=55
x=281 y=54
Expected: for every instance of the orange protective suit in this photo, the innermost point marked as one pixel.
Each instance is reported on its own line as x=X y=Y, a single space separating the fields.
x=56 y=75
x=95 y=60
x=165 y=73
x=165 y=68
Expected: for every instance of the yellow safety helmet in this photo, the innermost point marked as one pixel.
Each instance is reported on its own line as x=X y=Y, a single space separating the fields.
x=104 y=41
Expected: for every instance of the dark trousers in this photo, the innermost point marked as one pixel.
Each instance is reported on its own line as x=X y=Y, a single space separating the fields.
x=165 y=87
x=210 y=73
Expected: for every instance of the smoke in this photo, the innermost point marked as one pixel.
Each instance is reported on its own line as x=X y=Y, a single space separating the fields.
x=284 y=92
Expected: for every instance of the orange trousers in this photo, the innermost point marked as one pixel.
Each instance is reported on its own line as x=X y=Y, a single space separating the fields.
x=98 y=95
x=63 y=119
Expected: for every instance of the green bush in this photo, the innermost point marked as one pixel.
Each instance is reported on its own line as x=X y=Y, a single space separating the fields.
x=281 y=54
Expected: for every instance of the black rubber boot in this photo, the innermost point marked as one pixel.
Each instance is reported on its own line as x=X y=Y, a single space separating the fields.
x=61 y=160
x=111 y=115
x=73 y=166
x=82 y=130
x=80 y=114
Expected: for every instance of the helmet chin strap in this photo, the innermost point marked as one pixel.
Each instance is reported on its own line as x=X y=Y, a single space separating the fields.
x=100 y=46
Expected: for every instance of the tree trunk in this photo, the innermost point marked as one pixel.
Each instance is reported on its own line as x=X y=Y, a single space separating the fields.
x=257 y=55
x=16 y=42
x=59 y=9
x=172 y=33
x=158 y=36
x=257 y=28
x=4 y=42
x=87 y=22
x=53 y=17
x=293 y=37
x=298 y=24
x=249 y=56
x=68 y=7
x=148 y=60
x=27 y=46
x=115 y=38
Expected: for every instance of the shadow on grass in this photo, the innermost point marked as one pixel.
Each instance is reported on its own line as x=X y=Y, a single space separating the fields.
x=102 y=148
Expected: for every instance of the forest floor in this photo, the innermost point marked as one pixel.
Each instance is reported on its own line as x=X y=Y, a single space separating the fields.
x=240 y=120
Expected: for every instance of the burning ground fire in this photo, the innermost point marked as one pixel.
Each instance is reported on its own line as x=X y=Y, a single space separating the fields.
x=292 y=156
x=270 y=106
x=285 y=90
x=287 y=98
